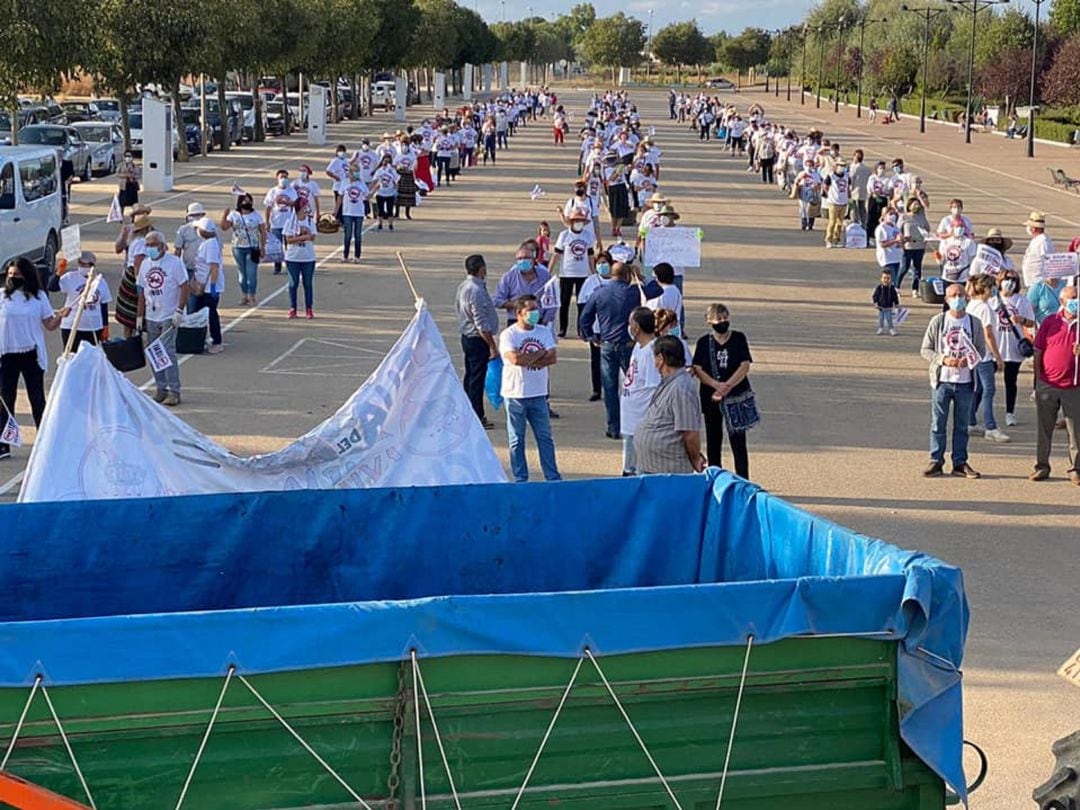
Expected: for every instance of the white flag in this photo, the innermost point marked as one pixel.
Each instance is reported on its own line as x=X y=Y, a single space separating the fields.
x=549 y=294
x=537 y=192
x=115 y=214
x=652 y=131
x=901 y=315
x=10 y=434
x=158 y=356
x=237 y=191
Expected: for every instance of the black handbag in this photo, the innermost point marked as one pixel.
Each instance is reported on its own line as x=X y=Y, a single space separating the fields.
x=126 y=354
x=1023 y=345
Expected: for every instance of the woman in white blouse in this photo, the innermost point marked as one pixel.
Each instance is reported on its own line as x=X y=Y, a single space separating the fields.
x=25 y=316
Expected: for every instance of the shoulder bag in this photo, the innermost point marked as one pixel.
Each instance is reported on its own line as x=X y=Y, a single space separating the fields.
x=740 y=411
x=1023 y=345
x=253 y=250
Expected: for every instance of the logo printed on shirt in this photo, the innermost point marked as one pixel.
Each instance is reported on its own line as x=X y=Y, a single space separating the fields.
x=155 y=279
x=528 y=345
x=578 y=249
x=354 y=194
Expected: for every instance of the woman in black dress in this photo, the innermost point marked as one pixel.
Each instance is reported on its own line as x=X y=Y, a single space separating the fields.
x=721 y=364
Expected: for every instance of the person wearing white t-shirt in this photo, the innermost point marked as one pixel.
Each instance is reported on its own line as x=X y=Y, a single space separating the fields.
x=95 y=310
x=956 y=254
x=639 y=382
x=305 y=187
x=575 y=250
x=837 y=186
x=1013 y=313
x=163 y=292
x=337 y=169
x=671 y=298
x=528 y=350
x=1039 y=246
x=300 y=234
x=25 y=316
x=209 y=281
x=351 y=205
x=279 y=202
x=956 y=215
x=980 y=290
x=889 y=245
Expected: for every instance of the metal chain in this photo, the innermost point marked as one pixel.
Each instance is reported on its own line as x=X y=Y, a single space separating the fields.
x=393 y=781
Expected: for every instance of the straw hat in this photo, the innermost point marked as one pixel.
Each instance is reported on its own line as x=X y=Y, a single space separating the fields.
x=88 y=257
x=995 y=233
x=143 y=222
x=578 y=215
x=196 y=210
x=1036 y=219
x=140 y=208
x=658 y=197
x=669 y=211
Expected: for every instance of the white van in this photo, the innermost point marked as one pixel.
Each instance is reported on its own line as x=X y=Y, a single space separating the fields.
x=30 y=205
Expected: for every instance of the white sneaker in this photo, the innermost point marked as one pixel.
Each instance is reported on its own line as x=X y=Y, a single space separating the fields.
x=996 y=435
x=914 y=293
x=879 y=331
x=892 y=332
x=1010 y=420
x=828 y=245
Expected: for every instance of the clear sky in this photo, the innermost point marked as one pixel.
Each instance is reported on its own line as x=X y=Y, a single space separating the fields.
x=712 y=15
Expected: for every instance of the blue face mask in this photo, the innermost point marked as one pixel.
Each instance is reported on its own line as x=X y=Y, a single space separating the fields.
x=604 y=269
x=155 y=253
x=523 y=265
x=957 y=304
x=675 y=331
x=533 y=317
x=1072 y=306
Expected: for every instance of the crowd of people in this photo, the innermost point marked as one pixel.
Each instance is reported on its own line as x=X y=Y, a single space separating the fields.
x=656 y=390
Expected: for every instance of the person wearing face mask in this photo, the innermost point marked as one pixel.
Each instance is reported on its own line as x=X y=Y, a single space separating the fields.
x=248 y=244
x=888 y=245
x=71 y=281
x=721 y=364
x=300 y=234
x=385 y=181
x=899 y=182
x=577 y=202
x=668 y=437
x=1057 y=384
x=478 y=321
x=1044 y=295
x=163 y=293
x=651 y=217
x=860 y=175
x=980 y=291
x=837 y=186
x=129 y=176
x=877 y=191
x=279 y=202
x=127 y=294
x=953 y=344
x=913 y=230
x=807 y=190
x=306 y=187
x=528 y=349
x=574 y=249
x=639 y=383
x=208 y=284
x=351 y=206
x=956 y=252
x=338 y=170
x=526 y=276
x=990 y=258
x=604 y=316
x=956 y=214
x=25 y=316
x=594 y=282
x=405 y=163
x=1039 y=246
x=1013 y=312
x=187 y=240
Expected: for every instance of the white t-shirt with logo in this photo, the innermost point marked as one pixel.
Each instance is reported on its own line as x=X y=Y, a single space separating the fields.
x=210 y=253
x=519 y=382
x=72 y=284
x=280 y=201
x=839 y=189
x=639 y=383
x=575 y=249
x=953 y=330
x=306 y=191
x=956 y=258
x=1019 y=308
x=367 y=161
x=353 y=195
x=887 y=255
x=299 y=251
x=340 y=167
x=160 y=281
x=386 y=181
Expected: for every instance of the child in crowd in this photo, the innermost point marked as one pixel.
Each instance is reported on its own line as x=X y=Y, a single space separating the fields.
x=886 y=300
x=543 y=239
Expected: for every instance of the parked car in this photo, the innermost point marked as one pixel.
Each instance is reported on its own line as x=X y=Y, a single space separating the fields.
x=275 y=117
x=108 y=109
x=135 y=126
x=24 y=117
x=76 y=111
x=67 y=141
x=383 y=94
x=54 y=112
x=247 y=104
x=294 y=109
x=194 y=134
x=106 y=142
x=234 y=122
x=31 y=209
x=720 y=83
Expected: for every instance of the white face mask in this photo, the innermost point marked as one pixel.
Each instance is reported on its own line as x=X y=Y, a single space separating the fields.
x=577 y=227
x=304 y=177
x=666 y=220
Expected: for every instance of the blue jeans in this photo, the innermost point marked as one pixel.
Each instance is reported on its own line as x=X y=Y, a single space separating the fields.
x=298 y=271
x=911 y=260
x=279 y=233
x=885 y=318
x=985 y=388
x=247 y=270
x=893 y=269
x=960 y=396
x=613 y=358
x=354 y=231
x=533 y=410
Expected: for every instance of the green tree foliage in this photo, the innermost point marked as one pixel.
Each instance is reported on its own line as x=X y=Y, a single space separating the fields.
x=682 y=44
x=1065 y=16
x=747 y=50
x=398 y=20
x=1003 y=33
x=517 y=40
x=578 y=21
x=615 y=41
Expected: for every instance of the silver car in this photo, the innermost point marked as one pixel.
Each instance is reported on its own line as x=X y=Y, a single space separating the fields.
x=106 y=143
x=67 y=141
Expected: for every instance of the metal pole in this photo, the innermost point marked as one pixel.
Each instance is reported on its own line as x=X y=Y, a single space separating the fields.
x=802 y=73
x=789 y=81
x=839 y=56
x=1031 y=99
x=648 y=49
x=971 y=70
x=862 y=53
x=820 y=65
x=925 y=73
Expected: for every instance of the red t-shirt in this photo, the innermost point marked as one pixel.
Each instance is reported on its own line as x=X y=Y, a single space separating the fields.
x=1055 y=340
x=1074 y=245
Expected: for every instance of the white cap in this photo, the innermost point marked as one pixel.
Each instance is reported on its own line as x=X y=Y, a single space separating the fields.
x=206 y=224
x=196 y=210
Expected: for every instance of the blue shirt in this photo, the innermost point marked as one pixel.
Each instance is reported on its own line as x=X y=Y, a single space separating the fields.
x=513 y=285
x=1044 y=300
x=609 y=309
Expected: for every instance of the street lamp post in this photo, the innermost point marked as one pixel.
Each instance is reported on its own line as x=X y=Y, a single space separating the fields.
x=927 y=14
x=1031 y=99
x=974 y=7
x=820 y=62
x=648 y=50
x=862 y=58
x=802 y=73
x=839 y=56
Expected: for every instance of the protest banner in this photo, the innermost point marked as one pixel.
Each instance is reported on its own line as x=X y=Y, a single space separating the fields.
x=71 y=243
x=158 y=356
x=679 y=247
x=1059 y=265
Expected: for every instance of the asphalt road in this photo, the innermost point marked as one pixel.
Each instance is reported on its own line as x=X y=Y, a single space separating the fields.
x=846 y=413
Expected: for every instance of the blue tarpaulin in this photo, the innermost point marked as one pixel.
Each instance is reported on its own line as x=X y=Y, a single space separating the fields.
x=183 y=587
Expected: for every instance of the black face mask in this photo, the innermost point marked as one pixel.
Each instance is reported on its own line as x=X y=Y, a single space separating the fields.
x=246 y=206
x=721 y=328
x=15 y=283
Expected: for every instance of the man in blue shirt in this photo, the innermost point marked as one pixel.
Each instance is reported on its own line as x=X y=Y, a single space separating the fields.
x=609 y=310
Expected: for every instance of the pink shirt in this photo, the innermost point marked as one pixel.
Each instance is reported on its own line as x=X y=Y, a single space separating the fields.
x=1055 y=341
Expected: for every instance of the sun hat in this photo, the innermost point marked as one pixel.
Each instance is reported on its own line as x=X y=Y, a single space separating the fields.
x=1036 y=219
x=196 y=210
x=578 y=215
x=669 y=211
x=657 y=197
x=143 y=222
x=206 y=224
x=995 y=233
x=88 y=257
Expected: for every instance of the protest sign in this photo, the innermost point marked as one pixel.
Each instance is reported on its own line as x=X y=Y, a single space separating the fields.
x=679 y=247
x=1059 y=265
x=158 y=356
x=71 y=243
x=115 y=212
x=11 y=434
